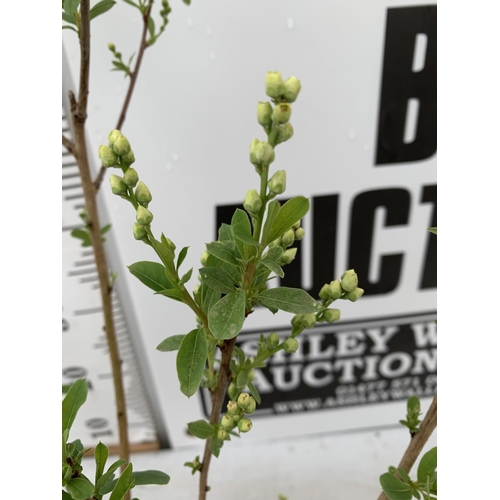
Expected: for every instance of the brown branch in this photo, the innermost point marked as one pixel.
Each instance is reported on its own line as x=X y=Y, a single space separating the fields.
x=133 y=78
x=418 y=441
x=79 y=116
x=68 y=144
x=217 y=402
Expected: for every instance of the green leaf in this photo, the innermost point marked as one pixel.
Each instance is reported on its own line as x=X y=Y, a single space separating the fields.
x=433 y=230
x=151 y=27
x=165 y=253
x=209 y=297
x=255 y=393
x=225 y=251
x=241 y=235
x=182 y=256
x=226 y=318
x=150 y=477
x=215 y=445
x=394 y=488
x=77 y=395
x=293 y=300
x=273 y=266
x=173 y=293
x=68 y=19
x=242 y=379
x=152 y=274
x=272 y=211
x=81 y=234
x=103 y=486
x=71 y=6
x=217 y=279
x=123 y=484
x=132 y=3
x=404 y=475
x=80 y=488
x=186 y=277
x=101 y=455
x=202 y=429
x=292 y=211
x=171 y=343
x=119 y=66
x=76 y=31
x=427 y=465
x=105 y=229
x=240 y=217
x=100 y=8
x=225 y=233
x=65 y=496
x=191 y=360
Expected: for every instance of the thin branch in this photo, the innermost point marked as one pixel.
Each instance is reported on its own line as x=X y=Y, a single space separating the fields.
x=418 y=441
x=133 y=78
x=217 y=402
x=68 y=144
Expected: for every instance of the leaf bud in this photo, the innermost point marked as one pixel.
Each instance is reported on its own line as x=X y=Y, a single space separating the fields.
x=143 y=194
x=117 y=185
x=129 y=158
x=228 y=422
x=290 y=345
x=275 y=86
x=244 y=425
x=355 y=294
x=252 y=202
x=282 y=113
x=273 y=340
x=349 y=281
x=288 y=255
x=277 y=183
x=264 y=114
x=121 y=146
x=309 y=320
x=233 y=408
x=131 y=178
x=288 y=238
x=112 y=136
x=292 y=89
x=285 y=132
x=331 y=315
x=107 y=156
x=222 y=434
x=299 y=233
x=139 y=232
x=143 y=217
x=204 y=258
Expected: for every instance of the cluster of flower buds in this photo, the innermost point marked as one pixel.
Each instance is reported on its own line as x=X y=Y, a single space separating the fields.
x=296 y=233
x=235 y=416
x=349 y=283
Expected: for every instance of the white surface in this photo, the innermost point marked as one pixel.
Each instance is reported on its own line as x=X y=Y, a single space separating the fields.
x=339 y=466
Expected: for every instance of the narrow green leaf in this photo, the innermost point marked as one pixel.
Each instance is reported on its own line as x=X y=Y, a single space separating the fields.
x=202 y=429
x=241 y=355
x=151 y=27
x=292 y=211
x=80 y=488
x=76 y=31
x=123 y=484
x=394 y=488
x=433 y=230
x=105 y=229
x=119 y=66
x=81 y=234
x=165 y=253
x=187 y=2
x=225 y=251
x=172 y=293
x=103 y=486
x=132 y=3
x=427 y=465
x=217 y=279
x=186 y=277
x=226 y=318
x=100 y=8
x=272 y=266
x=77 y=395
x=152 y=274
x=68 y=19
x=191 y=360
x=182 y=256
x=71 y=6
x=101 y=455
x=293 y=300
x=242 y=379
x=254 y=392
x=172 y=343
x=150 y=477
x=272 y=211
x=215 y=445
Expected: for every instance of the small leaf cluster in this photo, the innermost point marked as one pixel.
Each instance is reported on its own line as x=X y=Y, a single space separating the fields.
x=412 y=414
x=397 y=484
x=71 y=14
x=118 y=64
x=84 y=233
x=77 y=485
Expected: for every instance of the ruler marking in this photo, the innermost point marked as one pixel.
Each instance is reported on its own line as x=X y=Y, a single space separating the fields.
x=73 y=197
x=86 y=262
x=89 y=279
x=74 y=226
x=79 y=272
x=82 y=312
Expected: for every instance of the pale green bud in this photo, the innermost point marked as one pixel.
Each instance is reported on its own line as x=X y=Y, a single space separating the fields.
x=111 y=46
x=204 y=258
x=139 y=232
x=244 y=425
x=131 y=177
x=129 y=158
x=243 y=400
x=285 y=132
x=273 y=340
x=117 y=185
x=222 y=434
x=169 y=242
x=121 y=146
x=277 y=183
x=349 y=281
x=309 y=320
x=297 y=320
x=237 y=418
x=299 y=234
x=264 y=114
x=332 y=315
x=275 y=86
x=144 y=217
x=275 y=243
x=143 y=194
x=252 y=202
x=292 y=88
x=288 y=238
x=232 y=390
x=355 y=294
x=290 y=345
x=288 y=255
x=297 y=224
x=112 y=136
x=227 y=422
x=282 y=113
x=107 y=156
x=261 y=153
x=335 y=290
x=250 y=408
x=196 y=288
x=323 y=293
x=233 y=408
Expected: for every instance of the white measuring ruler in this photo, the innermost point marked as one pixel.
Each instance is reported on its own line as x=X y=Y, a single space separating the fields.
x=84 y=345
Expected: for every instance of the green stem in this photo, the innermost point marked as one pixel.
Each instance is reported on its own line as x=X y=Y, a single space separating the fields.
x=263 y=196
